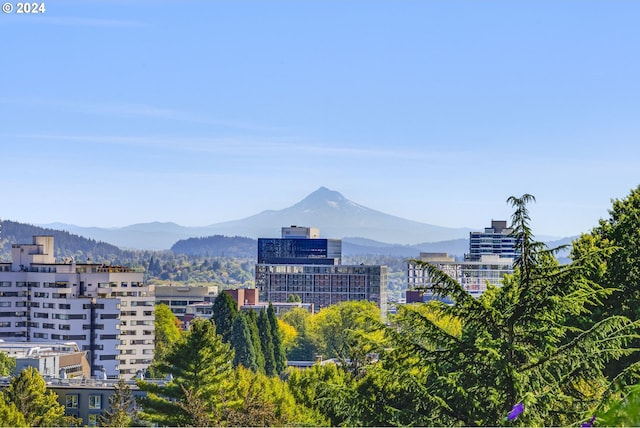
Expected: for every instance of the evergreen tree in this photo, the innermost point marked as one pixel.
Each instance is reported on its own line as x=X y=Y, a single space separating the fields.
x=225 y=310
x=279 y=355
x=513 y=353
x=242 y=344
x=200 y=364
x=252 y=323
x=266 y=343
x=121 y=411
x=40 y=408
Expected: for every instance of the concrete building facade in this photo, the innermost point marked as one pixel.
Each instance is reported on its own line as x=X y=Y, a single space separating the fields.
x=106 y=310
x=311 y=270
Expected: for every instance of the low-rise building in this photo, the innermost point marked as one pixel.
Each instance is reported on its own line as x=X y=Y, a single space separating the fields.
x=56 y=359
x=179 y=297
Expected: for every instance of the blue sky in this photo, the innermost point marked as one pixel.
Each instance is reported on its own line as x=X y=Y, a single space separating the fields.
x=197 y=112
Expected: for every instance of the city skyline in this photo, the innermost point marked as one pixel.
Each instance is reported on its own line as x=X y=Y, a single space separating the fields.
x=203 y=112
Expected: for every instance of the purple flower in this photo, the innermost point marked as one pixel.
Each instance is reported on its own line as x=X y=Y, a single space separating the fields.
x=590 y=422
x=516 y=411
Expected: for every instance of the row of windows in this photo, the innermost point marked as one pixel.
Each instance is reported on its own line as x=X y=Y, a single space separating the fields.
x=73 y=401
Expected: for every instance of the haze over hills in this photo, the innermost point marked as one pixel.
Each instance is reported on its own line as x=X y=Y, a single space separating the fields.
x=332 y=213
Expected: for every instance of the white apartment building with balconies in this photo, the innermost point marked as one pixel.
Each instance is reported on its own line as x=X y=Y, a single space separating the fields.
x=106 y=310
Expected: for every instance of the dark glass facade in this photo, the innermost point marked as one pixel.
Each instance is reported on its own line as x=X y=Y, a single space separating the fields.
x=299 y=251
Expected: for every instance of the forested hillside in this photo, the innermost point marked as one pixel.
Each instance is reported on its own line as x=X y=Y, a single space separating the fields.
x=66 y=244
x=217 y=246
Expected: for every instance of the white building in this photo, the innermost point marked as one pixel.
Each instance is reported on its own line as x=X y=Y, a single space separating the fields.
x=472 y=275
x=107 y=310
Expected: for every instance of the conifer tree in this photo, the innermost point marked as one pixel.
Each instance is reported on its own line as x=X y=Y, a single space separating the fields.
x=225 y=310
x=242 y=344
x=266 y=343
x=514 y=349
x=121 y=411
x=280 y=357
x=200 y=365
x=252 y=323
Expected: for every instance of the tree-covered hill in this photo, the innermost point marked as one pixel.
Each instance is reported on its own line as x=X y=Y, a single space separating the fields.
x=217 y=246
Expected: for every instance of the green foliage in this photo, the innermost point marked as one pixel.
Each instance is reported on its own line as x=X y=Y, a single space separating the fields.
x=617 y=240
x=225 y=310
x=339 y=330
x=241 y=341
x=279 y=355
x=40 y=408
x=7 y=364
x=10 y=416
x=121 y=411
x=293 y=298
x=266 y=343
x=267 y=401
x=325 y=388
x=167 y=333
x=470 y=362
x=252 y=323
x=621 y=410
x=200 y=364
x=305 y=345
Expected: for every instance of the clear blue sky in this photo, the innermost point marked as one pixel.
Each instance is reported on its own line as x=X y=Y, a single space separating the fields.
x=197 y=112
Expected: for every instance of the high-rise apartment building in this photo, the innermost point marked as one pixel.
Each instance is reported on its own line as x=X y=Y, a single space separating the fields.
x=106 y=310
x=496 y=240
x=309 y=267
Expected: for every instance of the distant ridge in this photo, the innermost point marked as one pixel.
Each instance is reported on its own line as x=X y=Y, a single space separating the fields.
x=335 y=216
x=66 y=244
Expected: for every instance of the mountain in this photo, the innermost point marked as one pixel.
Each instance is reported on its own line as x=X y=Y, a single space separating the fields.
x=332 y=213
x=338 y=217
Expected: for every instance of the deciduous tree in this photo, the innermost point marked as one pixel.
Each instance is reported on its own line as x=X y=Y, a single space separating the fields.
x=40 y=408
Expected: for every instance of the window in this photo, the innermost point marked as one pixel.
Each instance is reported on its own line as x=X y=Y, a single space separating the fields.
x=72 y=401
x=95 y=401
x=93 y=419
